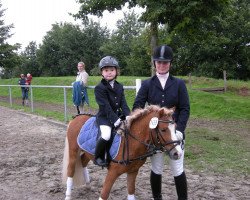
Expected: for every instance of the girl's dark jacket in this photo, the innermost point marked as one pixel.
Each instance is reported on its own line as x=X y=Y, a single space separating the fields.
x=111 y=101
x=173 y=95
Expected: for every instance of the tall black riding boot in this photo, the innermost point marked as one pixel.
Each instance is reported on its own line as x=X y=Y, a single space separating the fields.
x=181 y=186
x=78 y=110
x=155 y=181
x=100 y=152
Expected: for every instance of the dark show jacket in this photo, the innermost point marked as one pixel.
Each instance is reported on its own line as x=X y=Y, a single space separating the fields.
x=111 y=101
x=173 y=95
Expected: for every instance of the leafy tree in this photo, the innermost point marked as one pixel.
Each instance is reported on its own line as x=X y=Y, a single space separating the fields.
x=179 y=15
x=217 y=46
x=138 y=61
x=121 y=41
x=94 y=38
x=66 y=44
x=29 y=60
x=9 y=59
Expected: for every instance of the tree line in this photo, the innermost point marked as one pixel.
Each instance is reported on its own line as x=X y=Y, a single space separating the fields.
x=207 y=37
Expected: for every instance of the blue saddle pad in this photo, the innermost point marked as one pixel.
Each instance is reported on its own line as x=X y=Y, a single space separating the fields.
x=87 y=138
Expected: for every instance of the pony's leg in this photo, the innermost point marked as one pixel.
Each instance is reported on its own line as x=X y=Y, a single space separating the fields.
x=70 y=172
x=72 y=163
x=69 y=188
x=108 y=183
x=86 y=175
x=131 y=177
x=85 y=160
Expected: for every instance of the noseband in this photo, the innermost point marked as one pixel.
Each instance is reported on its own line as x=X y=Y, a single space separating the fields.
x=159 y=138
x=154 y=146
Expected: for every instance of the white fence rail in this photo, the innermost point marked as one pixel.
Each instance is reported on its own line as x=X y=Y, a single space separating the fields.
x=32 y=87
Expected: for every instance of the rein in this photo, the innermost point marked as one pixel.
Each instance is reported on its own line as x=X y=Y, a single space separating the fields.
x=151 y=147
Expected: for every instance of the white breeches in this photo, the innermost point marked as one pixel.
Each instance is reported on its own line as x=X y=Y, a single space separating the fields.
x=157 y=164
x=105 y=132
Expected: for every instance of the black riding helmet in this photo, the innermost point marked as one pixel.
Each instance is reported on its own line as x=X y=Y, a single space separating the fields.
x=108 y=61
x=163 y=53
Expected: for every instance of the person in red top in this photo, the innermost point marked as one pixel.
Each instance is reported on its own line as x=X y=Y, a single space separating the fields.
x=28 y=82
x=22 y=82
x=28 y=79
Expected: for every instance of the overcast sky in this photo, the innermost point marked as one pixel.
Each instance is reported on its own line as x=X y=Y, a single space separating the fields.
x=33 y=18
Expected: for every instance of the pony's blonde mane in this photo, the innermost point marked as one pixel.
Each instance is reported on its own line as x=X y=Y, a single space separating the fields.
x=144 y=111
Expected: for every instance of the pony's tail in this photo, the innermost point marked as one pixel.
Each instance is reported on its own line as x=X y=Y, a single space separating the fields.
x=65 y=161
x=78 y=178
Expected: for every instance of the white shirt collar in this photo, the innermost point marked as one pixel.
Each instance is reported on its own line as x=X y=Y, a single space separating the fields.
x=162 y=78
x=112 y=83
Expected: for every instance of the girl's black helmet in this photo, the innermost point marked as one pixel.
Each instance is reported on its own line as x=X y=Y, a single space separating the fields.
x=108 y=61
x=163 y=53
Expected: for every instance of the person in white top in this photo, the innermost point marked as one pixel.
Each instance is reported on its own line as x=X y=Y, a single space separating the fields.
x=82 y=76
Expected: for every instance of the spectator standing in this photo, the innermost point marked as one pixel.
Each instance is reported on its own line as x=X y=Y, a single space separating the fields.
x=80 y=95
x=28 y=79
x=22 y=82
x=28 y=82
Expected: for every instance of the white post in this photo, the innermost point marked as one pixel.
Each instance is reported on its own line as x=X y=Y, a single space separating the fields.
x=65 y=104
x=10 y=93
x=31 y=99
x=138 y=85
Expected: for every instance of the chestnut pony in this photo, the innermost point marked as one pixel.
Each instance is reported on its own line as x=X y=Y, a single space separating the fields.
x=145 y=132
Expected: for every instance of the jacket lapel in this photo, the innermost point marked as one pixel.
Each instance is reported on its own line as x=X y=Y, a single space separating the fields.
x=156 y=82
x=169 y=82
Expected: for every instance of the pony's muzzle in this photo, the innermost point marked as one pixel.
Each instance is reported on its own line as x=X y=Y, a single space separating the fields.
x=175 y=153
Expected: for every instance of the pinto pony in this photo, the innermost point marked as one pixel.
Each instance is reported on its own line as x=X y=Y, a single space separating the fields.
x=145 y=132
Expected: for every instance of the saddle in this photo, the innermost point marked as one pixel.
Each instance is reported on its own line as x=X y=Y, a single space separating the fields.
x=89 y=134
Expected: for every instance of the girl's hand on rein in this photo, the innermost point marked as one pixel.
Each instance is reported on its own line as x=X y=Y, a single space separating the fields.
x=117 y=123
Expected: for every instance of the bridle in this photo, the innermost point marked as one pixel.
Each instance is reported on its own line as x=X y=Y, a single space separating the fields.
x=155 y=145
x=159 y=136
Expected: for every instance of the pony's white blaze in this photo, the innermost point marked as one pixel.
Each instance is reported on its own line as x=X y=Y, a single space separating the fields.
x=175 y=153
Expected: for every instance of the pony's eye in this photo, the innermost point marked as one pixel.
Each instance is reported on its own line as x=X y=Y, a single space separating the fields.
x=163 y=130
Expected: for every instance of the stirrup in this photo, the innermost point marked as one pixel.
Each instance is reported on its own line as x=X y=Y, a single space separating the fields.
x=100 y=162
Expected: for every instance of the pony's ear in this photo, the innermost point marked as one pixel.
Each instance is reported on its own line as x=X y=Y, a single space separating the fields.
x=173 y=108
x=161 y=111
x=164 y=111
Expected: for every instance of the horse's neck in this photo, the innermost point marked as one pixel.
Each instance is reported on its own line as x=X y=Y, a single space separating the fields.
x=140 y=130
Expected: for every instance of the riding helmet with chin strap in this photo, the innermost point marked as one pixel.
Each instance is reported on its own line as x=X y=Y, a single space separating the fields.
x=108 y=61
x=163 y=53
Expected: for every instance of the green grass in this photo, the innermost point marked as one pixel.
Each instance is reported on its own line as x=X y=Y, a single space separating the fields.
x=229 y=105
x=219 y=106
x=205 y=82
x=207 y=150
